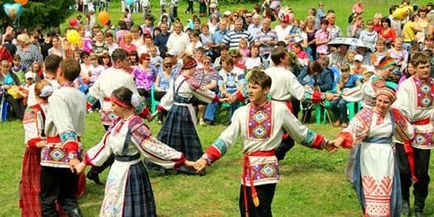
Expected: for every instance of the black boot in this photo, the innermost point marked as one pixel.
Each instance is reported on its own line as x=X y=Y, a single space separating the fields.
x=94 y=177
x=75 y=213
x=405 y=210
x=418 y=208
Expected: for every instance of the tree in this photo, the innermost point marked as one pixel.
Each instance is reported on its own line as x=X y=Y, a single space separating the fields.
x=40 y=13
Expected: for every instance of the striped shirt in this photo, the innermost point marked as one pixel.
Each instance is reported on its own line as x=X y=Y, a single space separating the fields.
x=262 y=36
x=232 y=38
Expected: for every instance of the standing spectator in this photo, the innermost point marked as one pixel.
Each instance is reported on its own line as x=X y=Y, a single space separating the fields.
x=213 y=23
x=146 y=7
x=57 y=48
x=233 y=37
x=355 y=28
x=311 y=32
x=203 y=7
x=255 y=26
x=207 y=40
x=174 y=7
x=218 y=37
x=12 y=48
x=409 y=32
x=334 y=30
x=4 y=53
x=28 y=52
x=190 y=8
x=312 y=12
x=267 y=39
x=395 y=23
x=320 y=11
x=99 y=46
x=369 y=36
x=47 y=44
x=282 y=30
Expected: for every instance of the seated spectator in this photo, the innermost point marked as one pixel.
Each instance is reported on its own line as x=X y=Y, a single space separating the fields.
x=10 y=83
x=223 y=54
x=339 y=106
x=369 y=36
x=144 y=75
x=162 y=82
x=244 y=49
x=302 y=56
x=387 y=32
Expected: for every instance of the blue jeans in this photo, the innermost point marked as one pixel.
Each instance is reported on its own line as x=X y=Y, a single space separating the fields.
x=339 y=109
x=211 y=111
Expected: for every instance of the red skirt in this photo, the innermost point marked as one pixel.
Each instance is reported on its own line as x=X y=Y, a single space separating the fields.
x=30 y=183
x=30 y=186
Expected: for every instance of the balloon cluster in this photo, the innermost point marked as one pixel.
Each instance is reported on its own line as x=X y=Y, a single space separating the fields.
x=13 y=11
x=73 y=37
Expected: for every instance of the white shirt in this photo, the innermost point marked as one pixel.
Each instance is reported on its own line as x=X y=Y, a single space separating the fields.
x=178 y=42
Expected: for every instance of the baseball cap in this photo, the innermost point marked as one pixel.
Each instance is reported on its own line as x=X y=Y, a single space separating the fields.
x=358 y=57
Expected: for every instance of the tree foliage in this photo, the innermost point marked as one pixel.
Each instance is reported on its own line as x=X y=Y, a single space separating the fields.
x=40 y=13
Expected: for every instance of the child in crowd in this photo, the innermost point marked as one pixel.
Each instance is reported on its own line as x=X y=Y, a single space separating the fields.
x=302 y=56
x=18 y=69
x=37 y=71
x=358 y=68
x=95 y=70
x=350 y=58
x=399 y=54
x=339 y=106
x=254 y=60
x=380 y=51
x=244 y=49
x=156 y=60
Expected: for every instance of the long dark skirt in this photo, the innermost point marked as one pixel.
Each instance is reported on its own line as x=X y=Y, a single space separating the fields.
x=139 y=199
x=179 y=132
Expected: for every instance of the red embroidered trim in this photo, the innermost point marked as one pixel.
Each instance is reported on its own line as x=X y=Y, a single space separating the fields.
x=348 y=139
x=213 y=153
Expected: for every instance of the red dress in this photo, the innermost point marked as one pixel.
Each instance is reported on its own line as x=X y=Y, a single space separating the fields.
x=30 y=188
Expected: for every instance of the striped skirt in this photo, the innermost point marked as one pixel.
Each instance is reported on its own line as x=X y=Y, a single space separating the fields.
x=139 y=199
x=179 y=132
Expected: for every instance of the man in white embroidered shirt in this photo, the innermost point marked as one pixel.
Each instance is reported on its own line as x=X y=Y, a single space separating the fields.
x=261 y=123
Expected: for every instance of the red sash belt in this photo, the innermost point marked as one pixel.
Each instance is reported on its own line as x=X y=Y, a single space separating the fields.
x=107 y=99
x=422 y=122
x=409 y=150
x=247 y=172
x=56 y=139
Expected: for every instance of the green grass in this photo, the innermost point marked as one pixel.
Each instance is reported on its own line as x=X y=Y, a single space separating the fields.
x=312 y=182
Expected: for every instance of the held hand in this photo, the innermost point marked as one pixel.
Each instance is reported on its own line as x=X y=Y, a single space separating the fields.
x=41 y=144
x=73 y=163
x=188 y=163
x=152 y=116
x=80 y=167
x=338 y=142
x=330 y=96
x=200 y=164
x=230 y=99
x=330 y=147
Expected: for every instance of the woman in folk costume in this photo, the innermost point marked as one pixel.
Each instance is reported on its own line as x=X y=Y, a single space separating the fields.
x=33 y=123
x=179 y=129
x=375 y=173
x=128 y=190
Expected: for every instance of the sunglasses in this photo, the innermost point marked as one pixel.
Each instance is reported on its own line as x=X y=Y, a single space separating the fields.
x=206 y=62
x=105 y=57
x=167 y=66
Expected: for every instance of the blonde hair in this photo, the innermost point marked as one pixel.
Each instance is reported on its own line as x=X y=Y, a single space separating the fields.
x=24 y=38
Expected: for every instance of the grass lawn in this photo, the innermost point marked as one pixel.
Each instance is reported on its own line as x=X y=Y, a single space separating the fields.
x=312 y=182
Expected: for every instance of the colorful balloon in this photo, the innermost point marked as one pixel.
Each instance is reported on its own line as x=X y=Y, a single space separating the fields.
x=73 y=22
x=130 y=2
x=103 y=17
x=73 y=37
x=22 y=2
x=13 y=11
